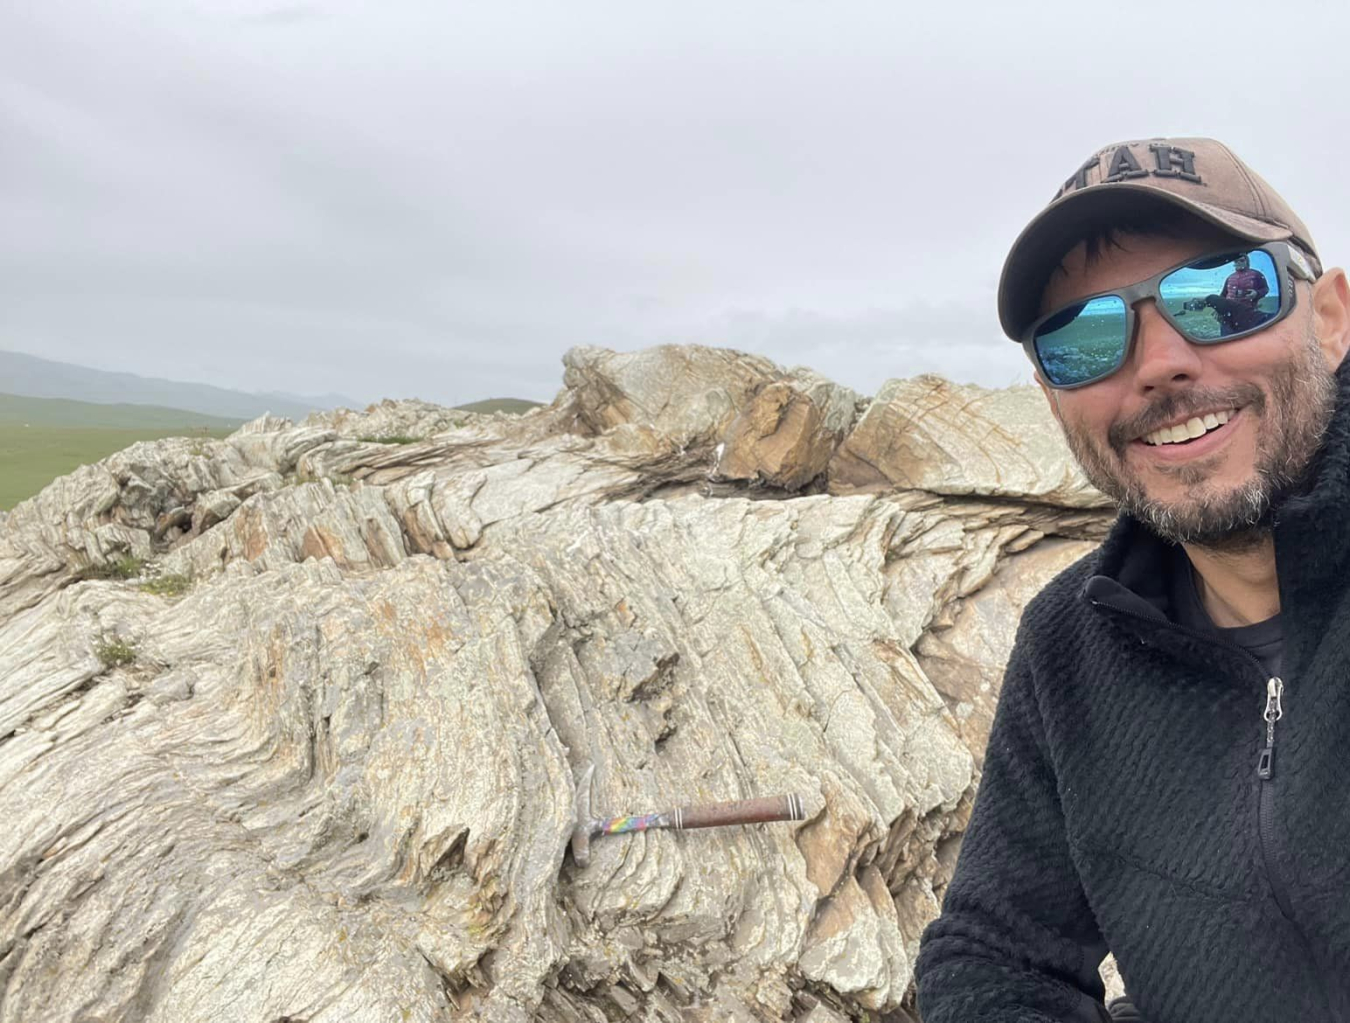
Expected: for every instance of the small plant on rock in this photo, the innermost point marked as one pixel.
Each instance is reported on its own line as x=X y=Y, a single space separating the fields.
x=114 y=652
x=126 y=566
x=167 y=585
x=395 y=439
x=301 y=476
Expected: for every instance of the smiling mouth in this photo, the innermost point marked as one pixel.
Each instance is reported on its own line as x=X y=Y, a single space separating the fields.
x=1183 y=433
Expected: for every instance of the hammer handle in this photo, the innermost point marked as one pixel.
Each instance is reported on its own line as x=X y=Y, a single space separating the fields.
x=739 y=811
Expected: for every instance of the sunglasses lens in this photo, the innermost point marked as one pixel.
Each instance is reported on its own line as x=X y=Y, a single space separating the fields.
x=1083 y=342
x=1217 y=297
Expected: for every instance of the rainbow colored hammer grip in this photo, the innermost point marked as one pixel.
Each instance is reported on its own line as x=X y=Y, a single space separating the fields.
x=712 y=815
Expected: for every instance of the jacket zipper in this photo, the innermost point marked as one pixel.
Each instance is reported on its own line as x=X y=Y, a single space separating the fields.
x=1265 y=771
x=1265 y=767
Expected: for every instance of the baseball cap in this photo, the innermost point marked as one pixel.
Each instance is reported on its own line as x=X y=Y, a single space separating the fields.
x=1199 y=175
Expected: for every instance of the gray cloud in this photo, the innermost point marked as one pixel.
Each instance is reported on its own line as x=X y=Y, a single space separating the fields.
x=421 y=198
x=287 y=14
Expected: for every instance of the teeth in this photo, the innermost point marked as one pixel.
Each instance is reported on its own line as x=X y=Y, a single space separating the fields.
x=1197 y=426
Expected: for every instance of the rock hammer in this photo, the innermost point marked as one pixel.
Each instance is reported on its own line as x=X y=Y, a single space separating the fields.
x=706 y=815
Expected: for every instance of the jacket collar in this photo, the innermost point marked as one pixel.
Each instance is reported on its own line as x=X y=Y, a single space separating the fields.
x=1312 y=540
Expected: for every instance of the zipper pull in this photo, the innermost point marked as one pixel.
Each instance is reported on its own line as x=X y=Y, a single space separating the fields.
x=1265 y=767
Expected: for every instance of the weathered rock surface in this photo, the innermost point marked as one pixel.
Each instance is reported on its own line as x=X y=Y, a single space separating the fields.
x=315 y=758
x=787 y=432
x=964 y=659
x=389 y=420
x=688 y=394
x=927 y=433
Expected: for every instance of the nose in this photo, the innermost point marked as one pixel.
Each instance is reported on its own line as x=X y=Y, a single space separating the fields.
x=1162 y=358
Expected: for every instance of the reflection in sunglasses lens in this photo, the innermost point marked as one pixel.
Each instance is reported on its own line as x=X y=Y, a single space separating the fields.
x=1082 y=342
x=1214 y=299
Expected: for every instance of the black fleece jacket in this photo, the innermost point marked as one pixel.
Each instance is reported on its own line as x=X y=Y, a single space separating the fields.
x=1129 y=800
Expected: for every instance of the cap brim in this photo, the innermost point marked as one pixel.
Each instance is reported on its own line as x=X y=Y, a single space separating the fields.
x=1065 y=222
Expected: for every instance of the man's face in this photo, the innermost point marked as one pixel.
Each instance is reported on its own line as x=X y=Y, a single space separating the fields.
x=1241 y=263
x=1276 y=388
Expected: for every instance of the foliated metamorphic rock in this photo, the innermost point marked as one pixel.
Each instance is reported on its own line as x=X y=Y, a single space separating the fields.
x=292 y=722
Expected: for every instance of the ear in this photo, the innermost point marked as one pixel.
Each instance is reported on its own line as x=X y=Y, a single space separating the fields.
x=1051 y=396
x=1331 y=315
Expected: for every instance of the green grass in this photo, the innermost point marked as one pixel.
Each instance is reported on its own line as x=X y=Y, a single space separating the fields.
x=31 y=457
x=42 y=438
x=35 y=412
x=113 y=652
x=166 y=585
x=128 y=566
x=396 y=439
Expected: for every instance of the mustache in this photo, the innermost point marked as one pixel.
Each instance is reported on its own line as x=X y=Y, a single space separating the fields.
x=1184 y=404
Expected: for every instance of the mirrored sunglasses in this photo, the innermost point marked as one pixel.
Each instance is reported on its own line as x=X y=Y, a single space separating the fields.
x=1208 y=300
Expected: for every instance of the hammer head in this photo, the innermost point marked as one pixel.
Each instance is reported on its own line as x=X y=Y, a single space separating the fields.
x=581 y=827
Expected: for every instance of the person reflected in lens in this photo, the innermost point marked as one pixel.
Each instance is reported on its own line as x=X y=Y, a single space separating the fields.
x=1238 y=305
x=1244 y=284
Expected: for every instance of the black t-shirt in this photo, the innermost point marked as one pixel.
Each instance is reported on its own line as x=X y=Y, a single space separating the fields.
x=1263 y=640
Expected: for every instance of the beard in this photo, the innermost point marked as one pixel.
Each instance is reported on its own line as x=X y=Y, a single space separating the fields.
x=1292 y=421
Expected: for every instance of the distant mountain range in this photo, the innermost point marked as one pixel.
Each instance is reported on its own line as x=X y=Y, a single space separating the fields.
x=30 y=376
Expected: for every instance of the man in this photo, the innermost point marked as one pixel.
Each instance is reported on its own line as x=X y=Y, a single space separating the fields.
x=1237 y=306
x=1244 y=284
x=1165 y=778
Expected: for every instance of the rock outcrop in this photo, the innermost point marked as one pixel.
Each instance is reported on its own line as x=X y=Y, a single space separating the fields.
x=293 y=722
x=929 y=434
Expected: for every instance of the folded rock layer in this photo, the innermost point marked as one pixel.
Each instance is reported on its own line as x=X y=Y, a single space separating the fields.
x=293 y=722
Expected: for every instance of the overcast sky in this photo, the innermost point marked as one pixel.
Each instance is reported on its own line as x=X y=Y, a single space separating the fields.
x=437 y=199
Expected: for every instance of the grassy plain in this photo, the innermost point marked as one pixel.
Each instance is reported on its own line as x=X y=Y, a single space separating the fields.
x=31 y=457
x=42 y=438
